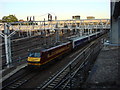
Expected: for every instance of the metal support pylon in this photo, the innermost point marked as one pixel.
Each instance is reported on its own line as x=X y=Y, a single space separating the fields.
x=57 y=33
x=6 y=35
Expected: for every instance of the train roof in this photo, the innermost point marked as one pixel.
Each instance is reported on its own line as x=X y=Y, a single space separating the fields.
x=82 y=37
x=78 y=38
x=56 y=46
x=39 y=49
x=94 y=33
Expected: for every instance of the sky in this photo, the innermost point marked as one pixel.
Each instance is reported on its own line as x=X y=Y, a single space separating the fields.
x=63 y=9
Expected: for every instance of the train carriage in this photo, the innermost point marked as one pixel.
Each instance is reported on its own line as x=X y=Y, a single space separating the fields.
x=54 y=52
x=76 y=42
x=46 y=55
x=41 y=57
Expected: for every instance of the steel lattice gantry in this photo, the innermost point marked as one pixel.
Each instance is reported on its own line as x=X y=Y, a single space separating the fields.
x=47 y=28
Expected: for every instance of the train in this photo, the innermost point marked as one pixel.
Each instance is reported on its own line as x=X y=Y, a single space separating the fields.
x=41 y=56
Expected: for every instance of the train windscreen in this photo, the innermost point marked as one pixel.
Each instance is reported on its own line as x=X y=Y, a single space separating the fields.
x=34 y=54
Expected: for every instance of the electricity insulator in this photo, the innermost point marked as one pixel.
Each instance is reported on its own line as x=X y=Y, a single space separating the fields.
x=55 y=17
x=27 y=18
x=33 y=18
x=30 y=18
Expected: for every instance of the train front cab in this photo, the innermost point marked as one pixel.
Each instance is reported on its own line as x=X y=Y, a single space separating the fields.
x=34 y=59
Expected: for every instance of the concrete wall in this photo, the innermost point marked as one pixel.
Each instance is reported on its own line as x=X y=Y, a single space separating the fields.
x=115 y=27
x=115 y=32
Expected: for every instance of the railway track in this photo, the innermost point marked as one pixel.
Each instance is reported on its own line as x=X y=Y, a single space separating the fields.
x=17 y=82
x=26 y=76
x=62 y=79
x=63 y=74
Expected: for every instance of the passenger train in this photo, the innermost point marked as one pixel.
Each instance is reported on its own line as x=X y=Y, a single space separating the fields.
x=43 y=56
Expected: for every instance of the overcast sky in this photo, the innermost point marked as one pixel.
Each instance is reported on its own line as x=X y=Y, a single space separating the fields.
x=63 y=9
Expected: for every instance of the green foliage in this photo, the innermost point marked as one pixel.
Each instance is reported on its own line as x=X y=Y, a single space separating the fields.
x=10 y=18
x=0 y=20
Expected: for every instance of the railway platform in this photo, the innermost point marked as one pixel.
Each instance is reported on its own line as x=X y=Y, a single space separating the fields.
x=105 y=72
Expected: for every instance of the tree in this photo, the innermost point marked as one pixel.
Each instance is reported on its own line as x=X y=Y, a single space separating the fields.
x=10 y=18
x=0 y=20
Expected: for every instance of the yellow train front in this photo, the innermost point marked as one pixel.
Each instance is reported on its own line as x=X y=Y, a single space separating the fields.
x=34 y=58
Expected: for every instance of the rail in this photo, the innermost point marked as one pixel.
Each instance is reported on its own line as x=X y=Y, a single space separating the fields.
x=19 y=81
x=67 y=73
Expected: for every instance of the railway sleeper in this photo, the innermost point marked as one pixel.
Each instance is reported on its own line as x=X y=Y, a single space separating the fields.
x=57 y=79
x=58 y=82
x=63 y=84
x=49 y=87
x=14 y=86
x=17 y=84
x=21 y=82
x=64 y=73
x=53 y=84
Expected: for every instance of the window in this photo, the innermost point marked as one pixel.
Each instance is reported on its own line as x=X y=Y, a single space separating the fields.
x=34 y=55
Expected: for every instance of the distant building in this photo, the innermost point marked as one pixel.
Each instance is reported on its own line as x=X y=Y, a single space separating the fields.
x=90 y=17
x=76 y=17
